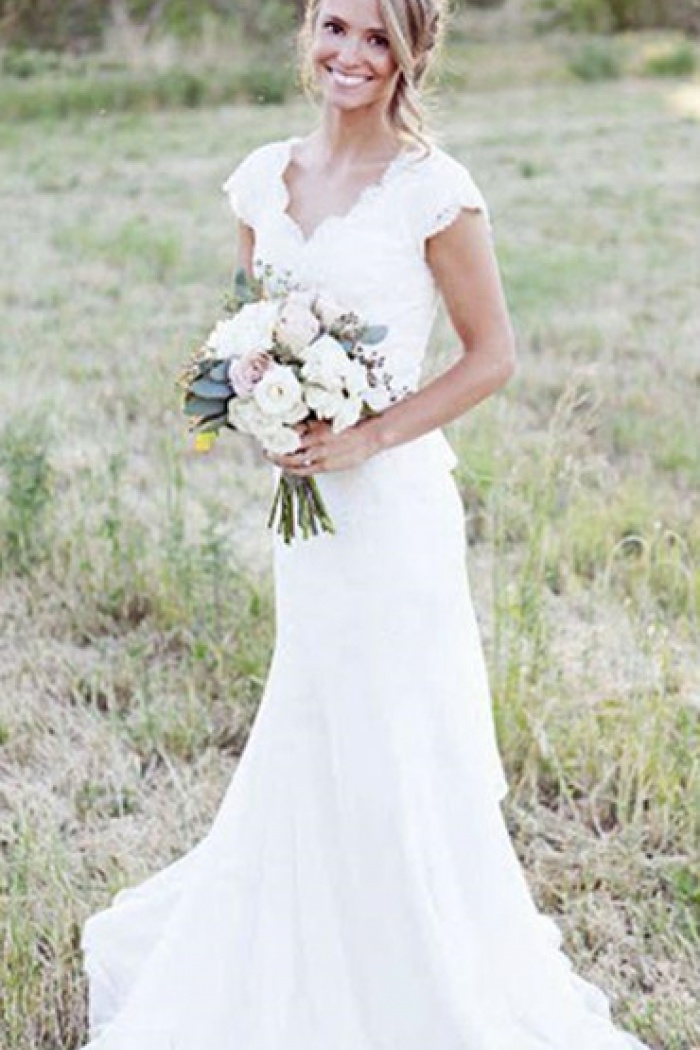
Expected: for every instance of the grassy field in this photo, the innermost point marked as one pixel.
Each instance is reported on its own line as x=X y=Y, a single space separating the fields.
x=135 y=589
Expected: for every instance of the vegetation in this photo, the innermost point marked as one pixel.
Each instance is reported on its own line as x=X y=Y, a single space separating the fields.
x=78 y=26
x=615 y=16
x=135 y=588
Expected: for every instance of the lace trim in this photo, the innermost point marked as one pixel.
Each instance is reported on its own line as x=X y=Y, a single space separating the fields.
x=367 y=196
x=447 y=215
x=244 y=183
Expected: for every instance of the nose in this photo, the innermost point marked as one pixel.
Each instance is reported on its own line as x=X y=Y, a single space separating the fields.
x=350 y=51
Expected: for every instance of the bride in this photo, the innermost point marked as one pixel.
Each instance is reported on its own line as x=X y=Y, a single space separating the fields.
x=357 y=889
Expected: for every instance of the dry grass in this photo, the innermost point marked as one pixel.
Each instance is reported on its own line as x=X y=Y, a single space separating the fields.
x=135 y=590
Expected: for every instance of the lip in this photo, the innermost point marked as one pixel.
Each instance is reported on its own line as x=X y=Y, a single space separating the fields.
x=339 y=72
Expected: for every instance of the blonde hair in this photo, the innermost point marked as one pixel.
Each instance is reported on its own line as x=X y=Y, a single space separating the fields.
x=415 y=30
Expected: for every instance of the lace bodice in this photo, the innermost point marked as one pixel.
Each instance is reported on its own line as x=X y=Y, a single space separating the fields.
x=372 y=257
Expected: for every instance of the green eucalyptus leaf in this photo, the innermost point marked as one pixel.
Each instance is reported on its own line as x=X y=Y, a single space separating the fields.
x=219 y=372
x=373 y=334
x=198 y=406
x=207 y=388
x=243 y=291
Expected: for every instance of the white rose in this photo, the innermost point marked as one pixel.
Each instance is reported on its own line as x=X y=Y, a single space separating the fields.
x=349 y=413
x=355 y=378
x=296 y=326
x=302 y=297
x=325 y=362
x=297 y=412
x=377 y=397
x=246 y=415
x=329 y=310
x=280 y=440
x=251 y=330
x=279 y=394
x=324 y=402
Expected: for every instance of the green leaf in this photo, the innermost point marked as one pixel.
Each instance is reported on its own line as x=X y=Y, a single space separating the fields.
x=198 y=406
x=219 y=372
x=211 y=424
x=242 y=287
x=207 y=388
x=373 y=334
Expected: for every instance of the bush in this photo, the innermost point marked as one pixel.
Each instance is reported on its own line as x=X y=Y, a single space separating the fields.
x=671 y=60
x=25 y=63
x=80 y=25
x=609 y=16
x=73 y=24
x=54 y=97
x=26 y=492
x=267 y=86
x=596 y=60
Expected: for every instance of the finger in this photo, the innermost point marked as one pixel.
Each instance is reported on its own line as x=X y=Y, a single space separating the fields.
x=311 y=465
x=307 y=472
x=311 y=441
x=285 y=461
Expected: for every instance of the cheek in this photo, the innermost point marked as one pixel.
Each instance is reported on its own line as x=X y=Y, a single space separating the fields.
x=382 y=62
x=320 y=52
x=385 y=64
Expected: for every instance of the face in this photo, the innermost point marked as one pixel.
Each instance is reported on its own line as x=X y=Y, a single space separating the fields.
x=352 y=60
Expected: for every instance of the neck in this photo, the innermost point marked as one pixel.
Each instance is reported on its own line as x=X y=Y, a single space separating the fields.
x=356 y=134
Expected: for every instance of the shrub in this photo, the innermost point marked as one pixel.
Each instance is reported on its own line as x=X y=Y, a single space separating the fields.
x=671 y=60
x=609 y=16
x=267 y=86
x=80 y=25
x=52 y=97
x=596 y=60
x=74 y=24
x=26 y=477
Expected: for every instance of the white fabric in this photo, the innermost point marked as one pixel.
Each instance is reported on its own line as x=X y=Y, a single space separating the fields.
x=357 y=889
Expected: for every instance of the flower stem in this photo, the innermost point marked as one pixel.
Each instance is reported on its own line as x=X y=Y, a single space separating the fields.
x=298 y=505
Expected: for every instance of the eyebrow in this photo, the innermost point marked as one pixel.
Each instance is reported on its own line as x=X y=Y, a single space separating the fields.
x=372 y=29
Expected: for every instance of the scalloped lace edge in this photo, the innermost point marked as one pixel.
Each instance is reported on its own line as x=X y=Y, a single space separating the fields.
x=447 y=215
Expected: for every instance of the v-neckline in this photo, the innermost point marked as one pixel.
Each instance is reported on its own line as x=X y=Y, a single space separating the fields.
x=368 y=191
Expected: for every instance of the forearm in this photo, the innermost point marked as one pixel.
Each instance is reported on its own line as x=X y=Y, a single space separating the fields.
x=474 y=377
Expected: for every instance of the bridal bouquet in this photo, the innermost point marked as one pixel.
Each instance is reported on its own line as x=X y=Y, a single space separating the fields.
x=279 y=360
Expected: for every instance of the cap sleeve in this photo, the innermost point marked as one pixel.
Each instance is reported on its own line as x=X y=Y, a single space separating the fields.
x=245 y=185
x=447 y=189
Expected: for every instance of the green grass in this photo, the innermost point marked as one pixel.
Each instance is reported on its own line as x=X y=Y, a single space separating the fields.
x=135 y=588
x=53 y=96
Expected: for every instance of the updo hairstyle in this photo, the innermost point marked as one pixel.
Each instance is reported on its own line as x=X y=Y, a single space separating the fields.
x=415 y=29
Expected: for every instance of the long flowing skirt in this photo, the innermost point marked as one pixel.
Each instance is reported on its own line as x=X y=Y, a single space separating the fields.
x=357 y=889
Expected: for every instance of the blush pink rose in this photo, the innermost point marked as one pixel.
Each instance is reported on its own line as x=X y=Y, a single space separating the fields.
x=297 y=325
x=245 y=374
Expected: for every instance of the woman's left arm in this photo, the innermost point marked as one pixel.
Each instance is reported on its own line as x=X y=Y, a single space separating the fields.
x=464 y=264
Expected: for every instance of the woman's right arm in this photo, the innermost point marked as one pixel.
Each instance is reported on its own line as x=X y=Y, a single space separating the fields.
x=246 y=246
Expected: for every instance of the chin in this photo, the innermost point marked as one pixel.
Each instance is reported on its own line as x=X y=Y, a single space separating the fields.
x=345 y=104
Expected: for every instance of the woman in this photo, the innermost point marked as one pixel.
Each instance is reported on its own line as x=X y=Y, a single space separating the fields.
x=358 y=889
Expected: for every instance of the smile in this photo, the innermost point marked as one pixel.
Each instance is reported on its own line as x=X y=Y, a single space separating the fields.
x=346 y=80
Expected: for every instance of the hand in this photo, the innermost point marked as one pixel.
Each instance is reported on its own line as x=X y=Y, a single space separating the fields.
x=329 y=451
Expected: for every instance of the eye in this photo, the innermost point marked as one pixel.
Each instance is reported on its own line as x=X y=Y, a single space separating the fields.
x=333 y=27
x=379 y=41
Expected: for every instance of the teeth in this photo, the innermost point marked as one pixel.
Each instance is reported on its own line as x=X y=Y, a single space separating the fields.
x=347 y=81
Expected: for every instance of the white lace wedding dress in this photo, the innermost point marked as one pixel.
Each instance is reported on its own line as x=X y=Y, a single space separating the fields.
x=357 y=889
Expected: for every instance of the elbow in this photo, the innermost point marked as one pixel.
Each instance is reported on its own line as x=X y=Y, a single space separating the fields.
x=507 y=363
